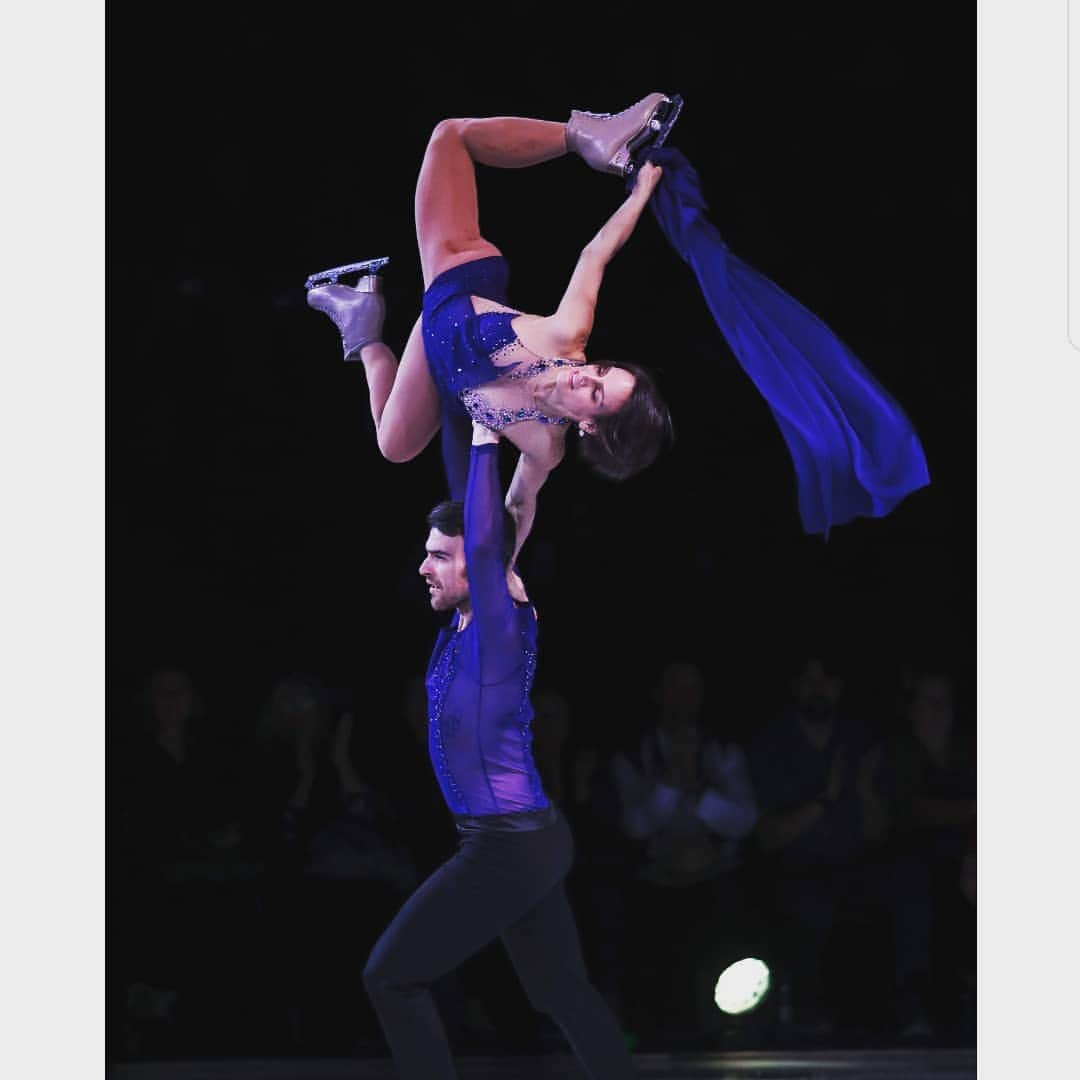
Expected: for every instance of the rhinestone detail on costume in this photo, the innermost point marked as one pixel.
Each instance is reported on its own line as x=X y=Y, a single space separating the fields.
x=491 y=416
x=525 y=724
x=441 y=678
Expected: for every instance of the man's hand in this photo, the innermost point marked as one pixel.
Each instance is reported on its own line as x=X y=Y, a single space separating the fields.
x=483 y=436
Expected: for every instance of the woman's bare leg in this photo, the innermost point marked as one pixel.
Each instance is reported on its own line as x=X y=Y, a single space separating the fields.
x=447 y=212
x=404 y=401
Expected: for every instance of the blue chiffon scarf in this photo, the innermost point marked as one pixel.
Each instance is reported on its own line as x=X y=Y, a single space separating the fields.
x=855 y=452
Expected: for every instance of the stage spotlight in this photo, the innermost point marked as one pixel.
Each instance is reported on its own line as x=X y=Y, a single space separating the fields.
x=741 y=986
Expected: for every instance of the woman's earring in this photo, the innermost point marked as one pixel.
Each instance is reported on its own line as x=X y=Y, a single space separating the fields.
x=581 y=433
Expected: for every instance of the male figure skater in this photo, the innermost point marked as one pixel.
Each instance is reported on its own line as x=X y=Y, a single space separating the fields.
x=506 y=878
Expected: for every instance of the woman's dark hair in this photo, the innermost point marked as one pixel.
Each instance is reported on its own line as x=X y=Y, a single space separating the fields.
x=449 y=518
x=631 y=439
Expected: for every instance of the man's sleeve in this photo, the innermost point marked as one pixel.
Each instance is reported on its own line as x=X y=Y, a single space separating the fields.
x=455 y=435
x=493 y=609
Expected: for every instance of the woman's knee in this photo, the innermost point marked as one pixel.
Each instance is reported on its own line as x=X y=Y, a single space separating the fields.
x=452 y=129
x=395 y=448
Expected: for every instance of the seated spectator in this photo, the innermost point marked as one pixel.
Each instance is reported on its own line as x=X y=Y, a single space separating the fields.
x=172 y=775
x=173 y=834
x=422 y=821
x=806 y=764
x=338 y=868
x=576 y=769
x=687 y=802
x=362 y=839
x=550 y=732
x=927 y=779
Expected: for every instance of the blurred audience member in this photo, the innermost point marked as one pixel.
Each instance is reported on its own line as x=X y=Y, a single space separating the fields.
x=687 y=802
x=806 y=764
x=550 y=734
x=423 y=821
x=337 y=865
x=927 y=780
x=173 y=829
x=172 y=776
x=577 y=773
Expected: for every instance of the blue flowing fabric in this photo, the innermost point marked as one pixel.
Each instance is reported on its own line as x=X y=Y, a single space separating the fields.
x=855 y=452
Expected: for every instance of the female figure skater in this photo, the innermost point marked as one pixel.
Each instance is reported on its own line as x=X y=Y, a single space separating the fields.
x=472 y=357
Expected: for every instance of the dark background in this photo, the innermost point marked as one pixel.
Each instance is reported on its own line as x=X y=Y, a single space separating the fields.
x=253 y=527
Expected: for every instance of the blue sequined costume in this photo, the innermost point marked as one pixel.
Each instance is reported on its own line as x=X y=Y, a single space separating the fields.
x=479 y=679
x=460 y=343
x=461 y=346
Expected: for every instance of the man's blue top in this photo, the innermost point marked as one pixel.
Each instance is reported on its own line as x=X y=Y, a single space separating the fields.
x=478 y=680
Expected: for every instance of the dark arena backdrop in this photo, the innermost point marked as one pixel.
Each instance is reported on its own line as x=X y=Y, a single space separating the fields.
x=253 y=528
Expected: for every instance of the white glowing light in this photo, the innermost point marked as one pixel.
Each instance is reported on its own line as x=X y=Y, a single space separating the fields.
x=741 y=986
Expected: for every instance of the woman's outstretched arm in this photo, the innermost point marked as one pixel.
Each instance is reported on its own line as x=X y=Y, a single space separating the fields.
x=572 y=322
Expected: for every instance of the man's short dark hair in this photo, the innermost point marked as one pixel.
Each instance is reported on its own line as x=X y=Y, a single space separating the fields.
x=449 y=518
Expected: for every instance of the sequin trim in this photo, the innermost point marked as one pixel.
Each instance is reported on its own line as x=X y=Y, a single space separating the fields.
x=441 y=678
x=524 y=725
x=482 y=411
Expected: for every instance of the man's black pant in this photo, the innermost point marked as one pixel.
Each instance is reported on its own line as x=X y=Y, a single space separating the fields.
x=507 y=883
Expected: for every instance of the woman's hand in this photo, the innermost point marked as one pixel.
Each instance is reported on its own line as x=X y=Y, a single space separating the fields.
x=648 y=176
